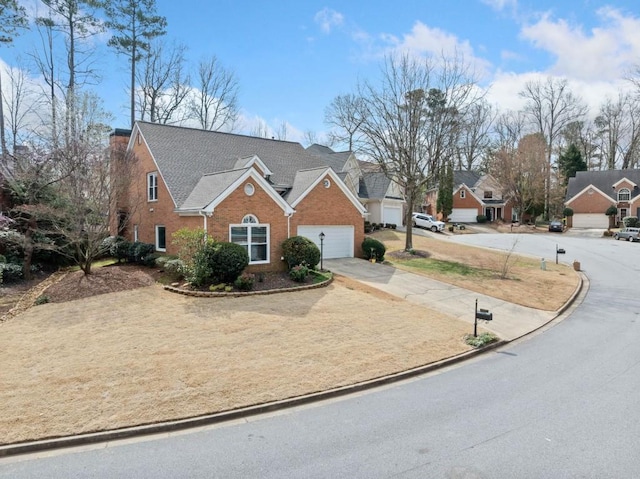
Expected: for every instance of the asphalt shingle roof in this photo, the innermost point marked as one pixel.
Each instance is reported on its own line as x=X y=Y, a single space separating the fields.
x=374 y=186
x=303 y=180
x=334 y=159
x=469 y=178
x=183 y=155
x=603 y=180
x=210 y=187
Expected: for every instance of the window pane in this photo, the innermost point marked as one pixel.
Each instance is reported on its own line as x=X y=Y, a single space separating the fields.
x=258 y=252
x=259 y=234
x=162 y=238
x=239 y=234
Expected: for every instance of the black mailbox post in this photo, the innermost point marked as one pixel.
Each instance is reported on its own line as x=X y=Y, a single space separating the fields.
x=483 y=315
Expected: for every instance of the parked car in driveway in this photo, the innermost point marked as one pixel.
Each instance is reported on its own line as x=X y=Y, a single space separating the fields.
x=630 y=234
x=421 y=220
x=556 y=226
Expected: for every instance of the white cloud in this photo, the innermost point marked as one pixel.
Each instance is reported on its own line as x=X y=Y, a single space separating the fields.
x=506 y=86
x=603 y=53
x=327 y=19
x=425 y=40
x=501 y=5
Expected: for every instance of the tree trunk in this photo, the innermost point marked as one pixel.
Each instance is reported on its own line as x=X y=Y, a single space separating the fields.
x=28 y=248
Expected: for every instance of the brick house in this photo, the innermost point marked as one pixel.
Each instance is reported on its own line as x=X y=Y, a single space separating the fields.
x=382 y=198
x=590 y=193
x=253 y=191
x=474 y=194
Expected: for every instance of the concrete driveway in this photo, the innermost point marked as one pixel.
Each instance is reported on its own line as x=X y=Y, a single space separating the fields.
x=510 y=321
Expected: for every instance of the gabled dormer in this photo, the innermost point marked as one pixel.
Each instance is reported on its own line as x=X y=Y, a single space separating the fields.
x=255 y=162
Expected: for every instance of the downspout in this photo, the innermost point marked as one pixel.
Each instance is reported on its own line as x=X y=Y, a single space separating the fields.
x=289 y=224
x=204 y=215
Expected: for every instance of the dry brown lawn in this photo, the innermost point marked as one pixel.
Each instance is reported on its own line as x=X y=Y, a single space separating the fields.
x=525 y=283
x=147 y=355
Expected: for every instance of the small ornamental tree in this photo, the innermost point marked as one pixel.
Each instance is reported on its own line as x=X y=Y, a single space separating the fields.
x=611 y=212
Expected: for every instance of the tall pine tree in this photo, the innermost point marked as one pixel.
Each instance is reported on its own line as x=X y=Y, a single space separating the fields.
x=570 y=162
x=444 y=203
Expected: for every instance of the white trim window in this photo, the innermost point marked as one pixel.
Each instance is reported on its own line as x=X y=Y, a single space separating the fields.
x=136 y=233
x=624 y=194
x=254 y=237
x=161 y=238
x=152 y=186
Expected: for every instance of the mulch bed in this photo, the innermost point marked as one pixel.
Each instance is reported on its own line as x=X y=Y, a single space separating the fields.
x=401 y=254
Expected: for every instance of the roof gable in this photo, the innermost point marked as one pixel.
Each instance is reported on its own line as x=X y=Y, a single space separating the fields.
x=214 y=188
x=307 y=180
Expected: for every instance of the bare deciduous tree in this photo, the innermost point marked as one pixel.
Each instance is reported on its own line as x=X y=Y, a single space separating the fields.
x=163 y=84
x=475 y=136
x=521 y=172
x=411 y=121
x=21 y=104
x=345 y=116
x=215 y=97
x=551 y=106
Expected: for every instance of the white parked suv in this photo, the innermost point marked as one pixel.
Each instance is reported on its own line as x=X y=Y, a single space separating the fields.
x=421 y=220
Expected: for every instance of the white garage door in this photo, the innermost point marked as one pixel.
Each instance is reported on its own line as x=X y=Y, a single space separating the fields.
x=464 y=215
x=392 y=215
x=338 y=240
x=590 y=220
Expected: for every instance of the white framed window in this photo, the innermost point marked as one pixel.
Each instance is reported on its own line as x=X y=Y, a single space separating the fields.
x=136 y=234
x=254 y=237
x=624 y=194
x=161 y=238
x=463 y=194
x=152 y=186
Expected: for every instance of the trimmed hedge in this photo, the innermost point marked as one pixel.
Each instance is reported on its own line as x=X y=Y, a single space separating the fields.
x=372 y=248
x=300 y=250
x=218 y=262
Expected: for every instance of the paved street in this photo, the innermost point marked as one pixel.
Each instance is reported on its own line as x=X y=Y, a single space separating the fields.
x=561 y=404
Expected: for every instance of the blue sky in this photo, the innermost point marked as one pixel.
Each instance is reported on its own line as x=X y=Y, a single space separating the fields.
x=293 y=57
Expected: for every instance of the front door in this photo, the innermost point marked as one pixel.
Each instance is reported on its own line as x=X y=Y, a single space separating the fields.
x=487 y=213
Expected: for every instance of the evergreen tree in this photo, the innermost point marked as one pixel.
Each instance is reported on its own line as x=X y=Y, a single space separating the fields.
x=444 y=203
x=570 y=162
x=135 y=24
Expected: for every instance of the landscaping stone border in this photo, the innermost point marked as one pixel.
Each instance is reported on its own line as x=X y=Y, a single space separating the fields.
x=234 y=294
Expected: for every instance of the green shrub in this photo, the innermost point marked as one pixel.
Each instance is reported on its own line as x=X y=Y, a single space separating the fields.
x=120 y=248
x=187 y=242
x=630 y=221
x=567 y=212
x=372 y=248
x=2 y=259
x=481 y=340
x=299 y=273
x=174 y=267
x=222 y=262
x=138 y=252
x=300 y=250
x=201 y=271
x=481 y=219
x=10 y=272
x=230 y=260
x=43 y=299
x=245 y=281
x=150 y=260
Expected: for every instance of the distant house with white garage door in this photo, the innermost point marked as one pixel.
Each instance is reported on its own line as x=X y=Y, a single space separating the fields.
x=382 y=198
x=591 y=193
x=474 y=194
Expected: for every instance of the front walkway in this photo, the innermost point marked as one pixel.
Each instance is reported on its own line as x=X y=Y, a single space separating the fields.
x=510 y=321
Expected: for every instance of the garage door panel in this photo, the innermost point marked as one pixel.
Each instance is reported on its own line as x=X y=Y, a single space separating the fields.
x=464 y=215
x=590 y=220
x=392 y=215
x=338 y=240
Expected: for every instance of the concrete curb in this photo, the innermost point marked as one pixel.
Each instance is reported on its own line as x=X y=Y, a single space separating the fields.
x=216 y=418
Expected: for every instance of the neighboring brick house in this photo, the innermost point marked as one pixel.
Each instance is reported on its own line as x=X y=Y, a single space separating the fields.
x=474 y=194
x=253 y=191
x=382 y=198
x=590 y=193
